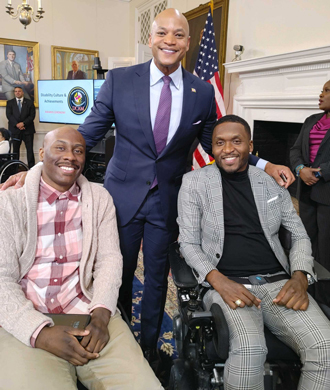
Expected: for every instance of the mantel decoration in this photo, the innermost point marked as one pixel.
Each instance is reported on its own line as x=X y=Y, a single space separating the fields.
x=25 y=12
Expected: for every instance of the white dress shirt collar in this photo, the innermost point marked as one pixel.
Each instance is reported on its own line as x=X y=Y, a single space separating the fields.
x=156 y=75
x=21 y=99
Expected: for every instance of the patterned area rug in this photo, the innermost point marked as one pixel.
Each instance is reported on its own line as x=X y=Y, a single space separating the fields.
x=166 y=343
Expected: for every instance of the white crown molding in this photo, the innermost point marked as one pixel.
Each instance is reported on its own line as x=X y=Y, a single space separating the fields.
x=281 y=63
x=289 y=69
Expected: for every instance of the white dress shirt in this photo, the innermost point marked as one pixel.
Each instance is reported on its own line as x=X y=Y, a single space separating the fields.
x=176 y=86
x=21 y=99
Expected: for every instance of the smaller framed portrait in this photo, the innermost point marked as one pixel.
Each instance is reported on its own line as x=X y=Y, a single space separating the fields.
x=19 y=67
x=72 y=64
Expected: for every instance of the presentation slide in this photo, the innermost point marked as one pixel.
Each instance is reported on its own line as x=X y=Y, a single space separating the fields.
x=65 y=101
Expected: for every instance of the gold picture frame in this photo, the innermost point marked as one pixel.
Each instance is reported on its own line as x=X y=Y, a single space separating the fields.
x=62 y=58
x=25 y=64
x=196 y=19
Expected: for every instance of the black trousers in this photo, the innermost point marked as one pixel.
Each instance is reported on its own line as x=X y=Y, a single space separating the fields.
x=316 y=219
x=28 y=140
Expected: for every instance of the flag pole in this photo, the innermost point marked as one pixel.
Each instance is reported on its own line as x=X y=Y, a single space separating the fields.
x=211 y=4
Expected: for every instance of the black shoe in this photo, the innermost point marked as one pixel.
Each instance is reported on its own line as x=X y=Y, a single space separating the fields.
x=155 y=361
x=151 y=355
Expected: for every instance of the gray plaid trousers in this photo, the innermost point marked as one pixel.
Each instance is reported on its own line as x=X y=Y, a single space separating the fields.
x=306 y=332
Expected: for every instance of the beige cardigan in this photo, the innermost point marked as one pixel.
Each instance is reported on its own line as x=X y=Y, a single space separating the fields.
x=100 y=265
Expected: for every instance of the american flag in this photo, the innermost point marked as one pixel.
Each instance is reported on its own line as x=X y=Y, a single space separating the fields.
x=207 y=68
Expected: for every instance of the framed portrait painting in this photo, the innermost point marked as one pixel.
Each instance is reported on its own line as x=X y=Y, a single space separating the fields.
x=19 y=67
x=196 y=19
x=69 y=63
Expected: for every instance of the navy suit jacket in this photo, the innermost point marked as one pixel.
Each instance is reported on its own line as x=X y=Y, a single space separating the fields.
x=124 y=98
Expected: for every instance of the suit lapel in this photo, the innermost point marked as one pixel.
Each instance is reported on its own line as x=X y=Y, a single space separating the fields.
x=24 y=107
x=188 y=106
x=214 y=192
x=141 y=93
x=260 y=196
x=15 y=108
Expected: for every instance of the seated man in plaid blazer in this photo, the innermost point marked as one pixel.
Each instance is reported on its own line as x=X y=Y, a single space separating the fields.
x=59 y=253
x=229 y=217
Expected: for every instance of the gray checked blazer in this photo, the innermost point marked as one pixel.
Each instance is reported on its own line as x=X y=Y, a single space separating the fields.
x=201 y=221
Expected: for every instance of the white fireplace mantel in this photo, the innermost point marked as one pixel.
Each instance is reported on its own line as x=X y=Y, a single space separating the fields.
x=283 y=87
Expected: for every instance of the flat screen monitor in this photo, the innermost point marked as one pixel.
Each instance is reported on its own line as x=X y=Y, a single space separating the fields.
x=97 y=86
x=65 y=101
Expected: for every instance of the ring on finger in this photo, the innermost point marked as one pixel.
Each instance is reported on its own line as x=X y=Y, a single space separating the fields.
x=238 y=302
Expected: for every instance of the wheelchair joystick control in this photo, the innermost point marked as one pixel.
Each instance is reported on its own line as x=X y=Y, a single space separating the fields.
x=193 y=304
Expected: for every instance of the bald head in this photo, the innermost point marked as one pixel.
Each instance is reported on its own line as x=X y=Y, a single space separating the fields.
x=167 y=14
x=63 y=132
x=74 y=66
x=63 y=154
x=169 y=40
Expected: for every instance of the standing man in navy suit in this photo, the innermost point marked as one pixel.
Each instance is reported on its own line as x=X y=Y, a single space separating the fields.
x=20 y=113
x=143 y=177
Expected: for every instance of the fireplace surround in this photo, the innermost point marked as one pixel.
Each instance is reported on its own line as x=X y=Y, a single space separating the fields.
x=280 y=88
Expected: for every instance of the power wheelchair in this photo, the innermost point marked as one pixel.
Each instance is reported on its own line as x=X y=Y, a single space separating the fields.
x=9 y=164
x=202 y=337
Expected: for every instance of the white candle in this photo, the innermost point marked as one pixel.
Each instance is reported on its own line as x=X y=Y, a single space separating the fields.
x=9 y=2
x=39 y=4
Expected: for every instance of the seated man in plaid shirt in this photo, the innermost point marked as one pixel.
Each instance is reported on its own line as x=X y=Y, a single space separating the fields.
x=59 y=253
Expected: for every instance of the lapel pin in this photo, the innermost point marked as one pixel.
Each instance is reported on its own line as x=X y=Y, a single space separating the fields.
x=193 y=90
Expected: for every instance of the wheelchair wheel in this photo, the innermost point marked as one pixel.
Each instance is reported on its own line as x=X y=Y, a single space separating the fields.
x=10 y=168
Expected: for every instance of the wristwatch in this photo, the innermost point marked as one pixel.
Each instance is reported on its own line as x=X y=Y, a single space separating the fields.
x=309 y=277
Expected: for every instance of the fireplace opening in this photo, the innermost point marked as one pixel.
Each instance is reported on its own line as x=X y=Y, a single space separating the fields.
x=272 y=141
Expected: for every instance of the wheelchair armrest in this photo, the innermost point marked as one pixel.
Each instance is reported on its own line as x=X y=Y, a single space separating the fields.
x=321 y=272
x=181 y=272
x=285 y=238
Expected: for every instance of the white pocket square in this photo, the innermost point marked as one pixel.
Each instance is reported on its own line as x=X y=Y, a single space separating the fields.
x=197 y=123
x=272 y=200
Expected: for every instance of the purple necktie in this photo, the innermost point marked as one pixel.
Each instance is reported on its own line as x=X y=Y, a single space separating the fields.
x=162 y=121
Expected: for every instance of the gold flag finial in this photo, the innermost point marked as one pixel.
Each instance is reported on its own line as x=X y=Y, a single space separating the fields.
x=211 y=4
